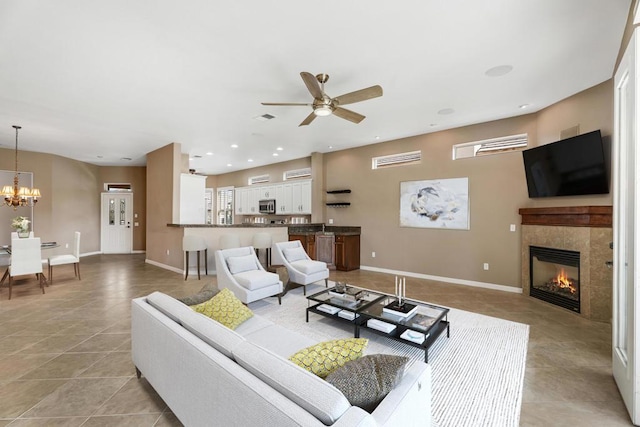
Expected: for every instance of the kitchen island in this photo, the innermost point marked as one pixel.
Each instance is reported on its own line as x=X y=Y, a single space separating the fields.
x=341 y=247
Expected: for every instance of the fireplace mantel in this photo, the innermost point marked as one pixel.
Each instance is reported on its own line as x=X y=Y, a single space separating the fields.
x=573 y=216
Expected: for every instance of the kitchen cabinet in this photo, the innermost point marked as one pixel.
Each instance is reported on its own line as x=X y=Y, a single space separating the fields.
x=242 y=201
x=301 y=197
x=291 y=198
x=347 y=252
x=308 y=243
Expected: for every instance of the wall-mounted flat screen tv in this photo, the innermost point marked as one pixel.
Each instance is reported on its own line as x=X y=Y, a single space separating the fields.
x=570 y=167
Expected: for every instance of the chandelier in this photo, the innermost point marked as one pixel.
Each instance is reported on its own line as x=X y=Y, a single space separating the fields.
x=19 y=196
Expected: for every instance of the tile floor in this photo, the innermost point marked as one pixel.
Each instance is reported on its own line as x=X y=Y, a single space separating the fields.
x=66 y=354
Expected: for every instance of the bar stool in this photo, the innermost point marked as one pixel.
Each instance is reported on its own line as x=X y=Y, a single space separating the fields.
x=263 y=241
x=229 y=241
x=194 y=243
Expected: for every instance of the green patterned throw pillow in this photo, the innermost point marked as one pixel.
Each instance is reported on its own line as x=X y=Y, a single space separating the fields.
x=225 y=308
x=325 y=357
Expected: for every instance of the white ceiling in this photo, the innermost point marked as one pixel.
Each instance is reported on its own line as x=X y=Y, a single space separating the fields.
x=99 y=81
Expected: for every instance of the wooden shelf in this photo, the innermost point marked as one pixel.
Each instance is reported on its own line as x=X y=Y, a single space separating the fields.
x=338 y=204
x=339 y=192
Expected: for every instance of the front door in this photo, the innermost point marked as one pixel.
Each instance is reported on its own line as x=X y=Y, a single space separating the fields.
x=115 y=219
x=626 y=306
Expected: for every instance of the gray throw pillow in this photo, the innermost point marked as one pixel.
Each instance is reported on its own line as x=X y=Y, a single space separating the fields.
x=366 y=381
x=205 y=294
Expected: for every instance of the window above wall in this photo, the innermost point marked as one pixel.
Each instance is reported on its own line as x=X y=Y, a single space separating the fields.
x=503 y=144
x=400 y=159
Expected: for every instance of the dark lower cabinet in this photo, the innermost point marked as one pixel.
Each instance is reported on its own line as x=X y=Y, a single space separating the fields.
x=347 y=252
x=308 y=243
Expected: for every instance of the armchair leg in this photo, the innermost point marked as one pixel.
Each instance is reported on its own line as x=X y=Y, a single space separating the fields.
x=77 y=264
x=326 y=282
x=206 y=269
x=198 y=255
x=186 y=268
x=279 y=300
x=138 y=373
x=4 y=276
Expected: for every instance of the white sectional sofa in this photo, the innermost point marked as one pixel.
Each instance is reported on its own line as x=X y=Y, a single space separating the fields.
x=210 y=375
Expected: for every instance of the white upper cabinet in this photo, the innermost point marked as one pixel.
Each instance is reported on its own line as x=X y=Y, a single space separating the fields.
x=291 y=198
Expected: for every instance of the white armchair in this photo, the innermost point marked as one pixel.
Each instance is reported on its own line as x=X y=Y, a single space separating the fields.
x=302 y=269
x=239 y=270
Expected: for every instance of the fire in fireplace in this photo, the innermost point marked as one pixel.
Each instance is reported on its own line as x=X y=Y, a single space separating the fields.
x=555 y=276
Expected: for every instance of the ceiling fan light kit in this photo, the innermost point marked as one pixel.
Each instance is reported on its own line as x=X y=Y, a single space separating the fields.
x=323 y=105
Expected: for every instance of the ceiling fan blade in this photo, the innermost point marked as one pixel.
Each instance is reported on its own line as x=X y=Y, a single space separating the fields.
x=312 y=84
x=286 y=103
x=352 y=116
x=308 y=120
x=359 y=95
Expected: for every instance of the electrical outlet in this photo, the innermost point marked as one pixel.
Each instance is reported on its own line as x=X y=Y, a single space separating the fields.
x=167 y=251
x=330 y=220
x=486 y=266
x=136 y=224
x=512 y=227
x=373 y=254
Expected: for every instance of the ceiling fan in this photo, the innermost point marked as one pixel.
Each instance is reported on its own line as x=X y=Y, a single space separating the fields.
x=324 y=105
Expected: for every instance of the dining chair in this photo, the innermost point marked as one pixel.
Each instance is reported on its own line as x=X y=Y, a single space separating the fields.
x=73 y=258
x=14 y=235
x=26 y=260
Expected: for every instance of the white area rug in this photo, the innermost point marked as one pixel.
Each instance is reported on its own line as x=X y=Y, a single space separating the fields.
x=478 y=372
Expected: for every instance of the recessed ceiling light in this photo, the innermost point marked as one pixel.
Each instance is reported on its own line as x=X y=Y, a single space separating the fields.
x=229 y=164
x=234 y=145
x=250 y=160
x=331 y=146
x=377 y=137
x=279 y=148
x=433 y=124
x=523 y=106
x=498 y=71
x=275 y=154
x=190 y=158
x=128 y=159
x=446 y=111
x=209 y=153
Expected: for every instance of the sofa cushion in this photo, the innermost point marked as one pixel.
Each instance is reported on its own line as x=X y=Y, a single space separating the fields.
x=367 y=381
x=313 y=394
x=238 y=264
x=225 y=308
x=278 y=339
x=170 y=306
x=308 y=266
x=213 y=333
x=325 y=357
x=254 y=324
x=294 y=254
x=256 y=279
x=206 y=293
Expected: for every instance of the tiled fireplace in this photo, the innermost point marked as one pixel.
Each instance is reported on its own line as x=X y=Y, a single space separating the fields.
x=564 y=251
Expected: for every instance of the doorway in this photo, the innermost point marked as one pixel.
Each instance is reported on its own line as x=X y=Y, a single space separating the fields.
x=116 y=215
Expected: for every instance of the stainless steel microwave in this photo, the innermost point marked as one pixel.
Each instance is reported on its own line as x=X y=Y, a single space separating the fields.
x=267 y=206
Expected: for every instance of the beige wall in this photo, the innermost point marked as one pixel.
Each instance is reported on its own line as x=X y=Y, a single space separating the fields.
x=164 y=244
x=497 y=189
x=71 y=198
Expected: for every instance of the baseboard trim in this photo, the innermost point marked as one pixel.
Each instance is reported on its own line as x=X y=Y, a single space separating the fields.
x=446 y=279
x=165 y=266
x=139 y=251
x=90 y=254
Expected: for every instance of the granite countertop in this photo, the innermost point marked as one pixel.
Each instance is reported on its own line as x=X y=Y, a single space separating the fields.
x=303 y=229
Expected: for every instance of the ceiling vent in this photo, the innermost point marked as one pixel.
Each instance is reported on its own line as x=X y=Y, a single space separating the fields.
x=265 y=117
x=261 y=179
x=297 y=173
x=490 y=146
x=401 y=159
